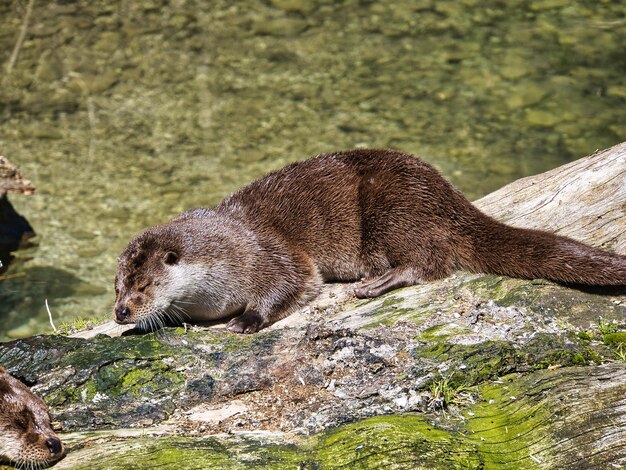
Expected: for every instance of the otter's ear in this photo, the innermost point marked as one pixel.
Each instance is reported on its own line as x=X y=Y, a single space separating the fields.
x=170 y=257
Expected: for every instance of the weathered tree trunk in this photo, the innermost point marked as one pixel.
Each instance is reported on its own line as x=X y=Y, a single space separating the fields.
x=470 y=372
x=585 y=199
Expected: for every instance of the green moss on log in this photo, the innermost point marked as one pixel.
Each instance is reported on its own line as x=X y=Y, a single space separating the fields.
x=524 y=421
x=613 y=339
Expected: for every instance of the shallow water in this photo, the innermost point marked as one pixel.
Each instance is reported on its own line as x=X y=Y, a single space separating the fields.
x=125 y=113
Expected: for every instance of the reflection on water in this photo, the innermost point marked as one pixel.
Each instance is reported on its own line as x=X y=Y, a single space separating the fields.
x=126 y=113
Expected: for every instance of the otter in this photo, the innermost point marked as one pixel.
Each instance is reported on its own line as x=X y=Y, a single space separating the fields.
x=26 y=438
x=381 y=216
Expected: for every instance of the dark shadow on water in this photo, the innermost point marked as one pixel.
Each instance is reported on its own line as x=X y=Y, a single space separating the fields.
x=15 y=232
x=23 y=292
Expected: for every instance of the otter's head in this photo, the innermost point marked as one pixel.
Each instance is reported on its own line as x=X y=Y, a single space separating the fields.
x=163 y=276
x=26 y=436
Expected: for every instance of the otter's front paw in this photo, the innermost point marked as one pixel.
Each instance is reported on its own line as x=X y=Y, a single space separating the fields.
x=248 y=322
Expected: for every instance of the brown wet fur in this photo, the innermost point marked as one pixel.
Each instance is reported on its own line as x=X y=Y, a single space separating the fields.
x=26 y=436
x=367 y=213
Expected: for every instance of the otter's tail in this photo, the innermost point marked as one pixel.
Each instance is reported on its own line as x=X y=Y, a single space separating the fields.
x=533 y=254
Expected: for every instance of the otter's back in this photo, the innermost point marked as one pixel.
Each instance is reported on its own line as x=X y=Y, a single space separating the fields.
x=340 y=208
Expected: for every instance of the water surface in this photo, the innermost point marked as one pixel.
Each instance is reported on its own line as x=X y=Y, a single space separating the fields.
x=125 y=113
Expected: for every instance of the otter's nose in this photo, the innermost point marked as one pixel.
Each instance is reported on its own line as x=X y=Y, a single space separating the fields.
x=54 y=445
x=122 y=313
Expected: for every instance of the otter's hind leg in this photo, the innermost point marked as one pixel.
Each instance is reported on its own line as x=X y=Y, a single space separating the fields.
x=433 y=265
x=393 y=279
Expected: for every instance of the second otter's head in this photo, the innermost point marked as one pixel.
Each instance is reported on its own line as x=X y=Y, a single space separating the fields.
x=26 y=436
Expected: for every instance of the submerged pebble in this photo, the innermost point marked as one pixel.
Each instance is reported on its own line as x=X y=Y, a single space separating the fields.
x=22 y=331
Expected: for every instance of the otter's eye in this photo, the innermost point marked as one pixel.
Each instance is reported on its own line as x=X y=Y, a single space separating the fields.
x=170 y=257
x=143 y=286
x=21 y=422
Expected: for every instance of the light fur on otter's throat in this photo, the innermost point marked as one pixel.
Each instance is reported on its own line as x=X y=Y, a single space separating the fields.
x=26 y=436
x=376 y=214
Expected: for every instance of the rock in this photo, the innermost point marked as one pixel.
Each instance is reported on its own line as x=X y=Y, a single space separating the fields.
x=60 y=100
x=514 y=71
x=524 y=95
x=617 y=91
x=303 y=7
x=279 y=26
x=542 y=118
x=92 y=84
x=109 y=41
x=50 y=68
x=21 y=331
x=548 y=4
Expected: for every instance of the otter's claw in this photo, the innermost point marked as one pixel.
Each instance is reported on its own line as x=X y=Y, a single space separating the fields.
x=248 y=322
